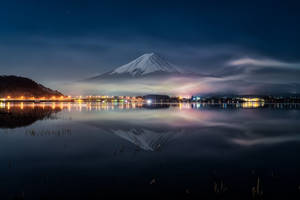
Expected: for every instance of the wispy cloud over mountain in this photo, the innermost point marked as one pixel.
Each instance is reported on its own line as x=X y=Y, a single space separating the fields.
x=263 y=63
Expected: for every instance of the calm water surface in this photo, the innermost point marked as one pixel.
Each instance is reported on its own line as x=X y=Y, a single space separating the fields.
x=92 y=151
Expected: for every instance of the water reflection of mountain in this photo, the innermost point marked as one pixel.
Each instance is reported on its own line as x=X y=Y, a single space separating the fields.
x=146 y=139
x=19 y=117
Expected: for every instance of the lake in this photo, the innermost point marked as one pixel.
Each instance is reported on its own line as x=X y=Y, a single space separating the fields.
x=187 y=151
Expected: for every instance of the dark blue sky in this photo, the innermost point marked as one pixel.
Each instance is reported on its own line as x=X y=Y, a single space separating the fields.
x=81 y=38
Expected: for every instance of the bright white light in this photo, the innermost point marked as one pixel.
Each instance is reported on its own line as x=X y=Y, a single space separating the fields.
x=2 y=105
x=149 y=101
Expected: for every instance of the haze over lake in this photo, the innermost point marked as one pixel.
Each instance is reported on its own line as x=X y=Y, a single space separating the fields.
x=80 y=151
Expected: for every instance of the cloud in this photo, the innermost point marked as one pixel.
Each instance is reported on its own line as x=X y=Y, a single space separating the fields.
x=185 y=86
x=262 y=62
x=266 y=140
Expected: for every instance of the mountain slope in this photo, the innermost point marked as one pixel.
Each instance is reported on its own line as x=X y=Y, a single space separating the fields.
x=149 y=64
x=146 y=64
x=15 y=86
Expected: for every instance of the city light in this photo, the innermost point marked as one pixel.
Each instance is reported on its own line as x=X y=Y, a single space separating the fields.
x=147 y=99
x=255 y=99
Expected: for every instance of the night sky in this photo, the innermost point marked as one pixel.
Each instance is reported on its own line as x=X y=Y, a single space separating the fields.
x=254 y=43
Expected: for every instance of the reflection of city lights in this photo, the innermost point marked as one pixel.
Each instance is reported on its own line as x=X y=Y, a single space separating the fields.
x=252 y=104
x=80 y=106
x=69 y=107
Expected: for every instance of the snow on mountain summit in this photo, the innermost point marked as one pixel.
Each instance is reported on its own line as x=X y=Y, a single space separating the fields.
x=146 y=64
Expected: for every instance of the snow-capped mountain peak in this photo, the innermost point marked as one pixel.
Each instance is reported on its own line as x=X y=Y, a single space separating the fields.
x=146 y=64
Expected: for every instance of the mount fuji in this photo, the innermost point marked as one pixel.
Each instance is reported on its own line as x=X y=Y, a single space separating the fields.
x=147 y=65
x=148 y=74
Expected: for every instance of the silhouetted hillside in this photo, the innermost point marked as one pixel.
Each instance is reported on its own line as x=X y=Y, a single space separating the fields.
x=15 y=86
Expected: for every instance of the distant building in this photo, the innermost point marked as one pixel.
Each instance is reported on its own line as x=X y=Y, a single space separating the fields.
x=139 y=99
x=195 y=98
x=156 y=98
